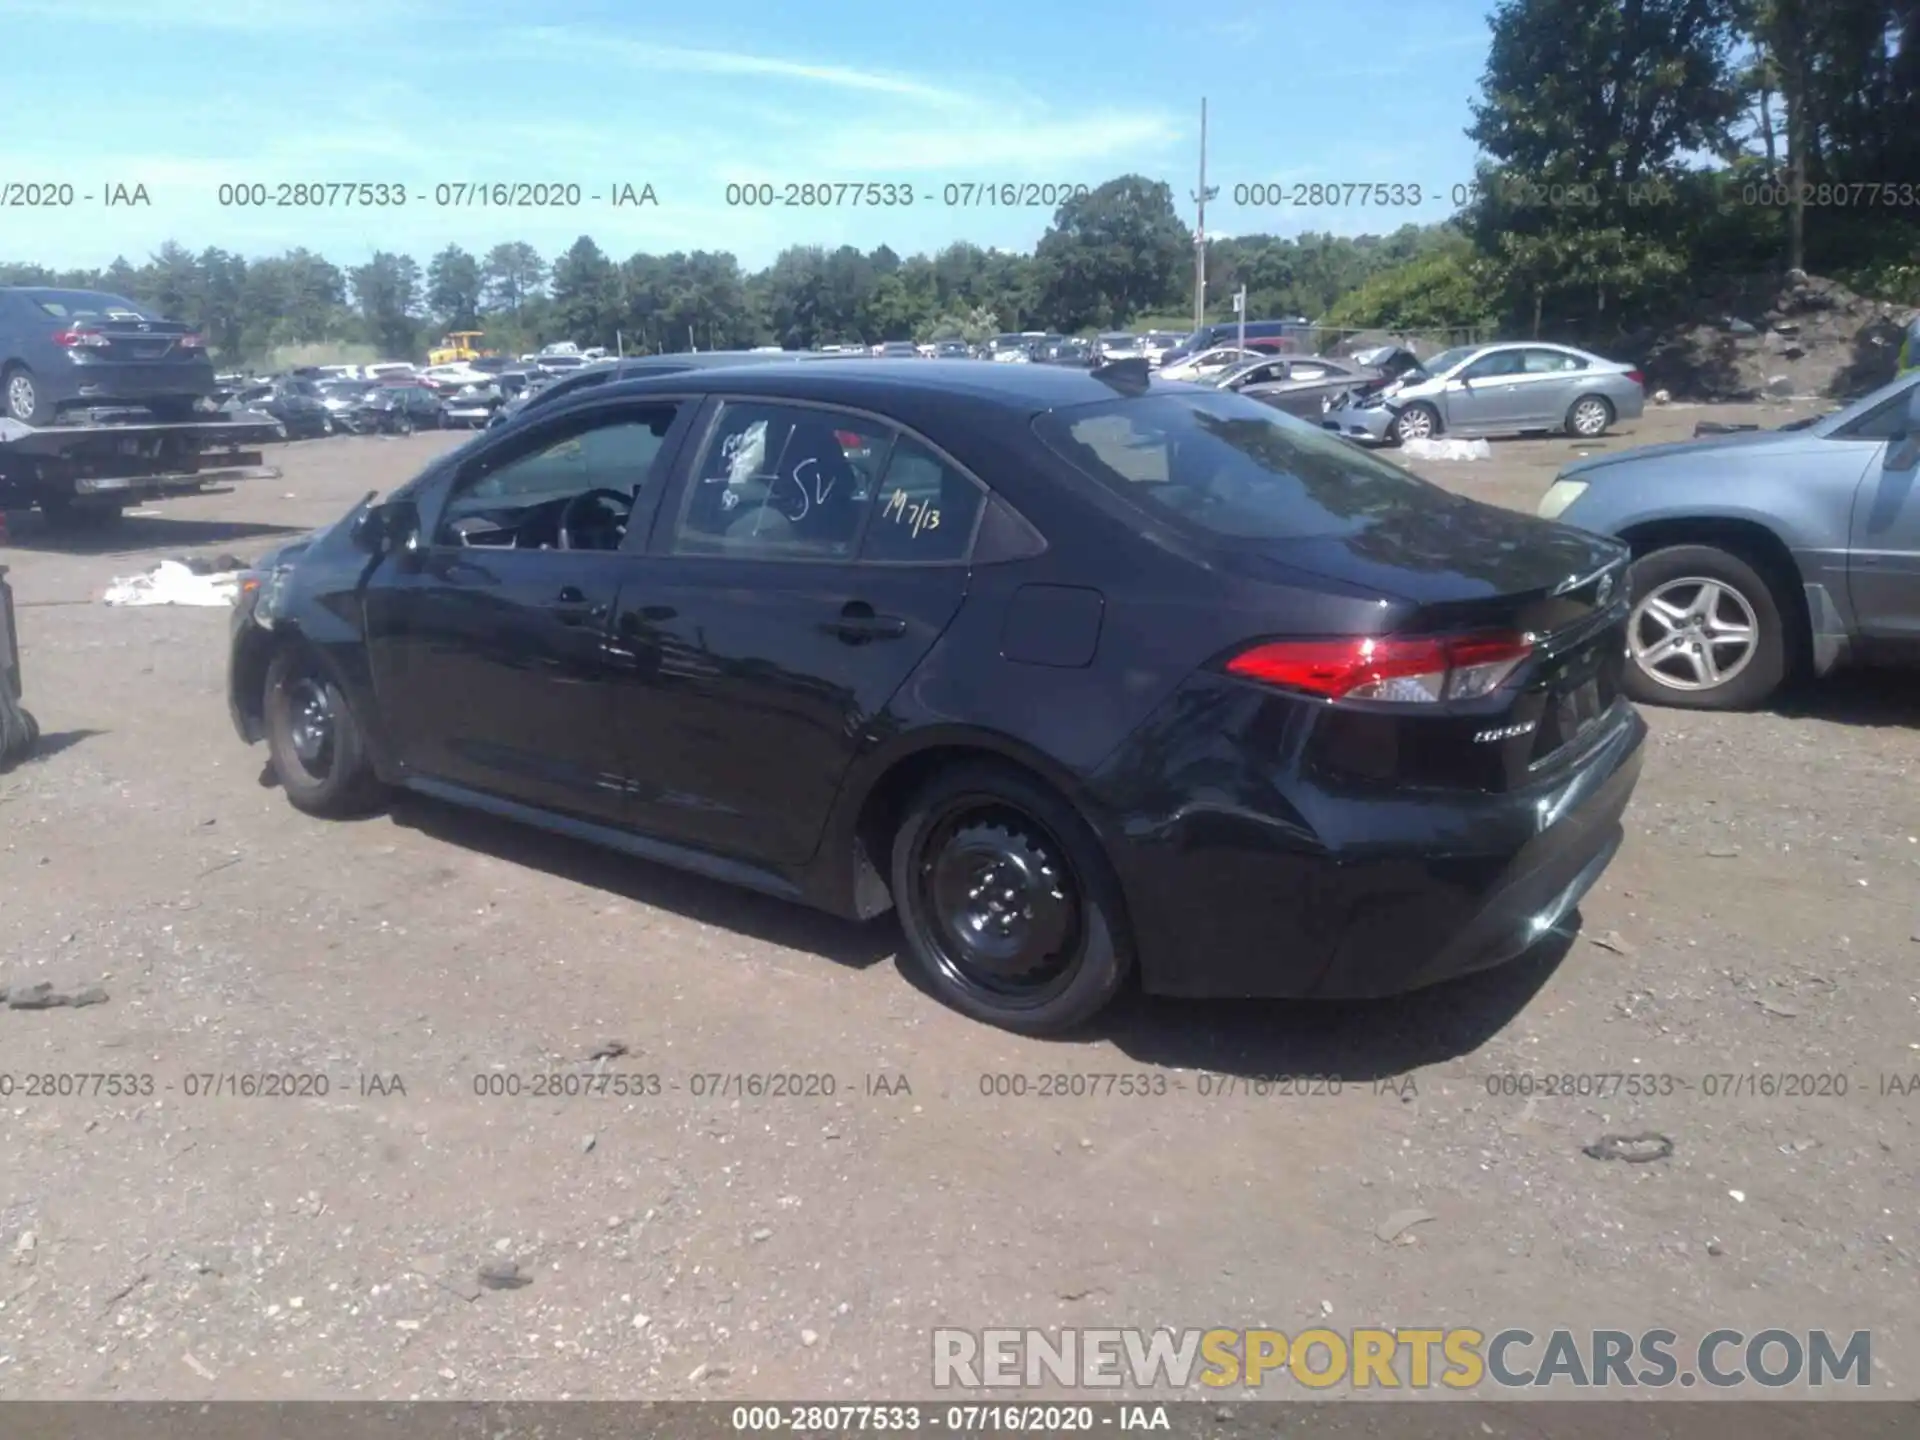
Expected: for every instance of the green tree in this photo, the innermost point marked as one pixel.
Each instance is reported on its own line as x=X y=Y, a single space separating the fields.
x=455 y=288
x=512 y=274
x=387 y=290
x=1110 y=254
x=586 y=294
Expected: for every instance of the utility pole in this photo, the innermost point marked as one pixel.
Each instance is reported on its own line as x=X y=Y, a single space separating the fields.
x=1200 y=197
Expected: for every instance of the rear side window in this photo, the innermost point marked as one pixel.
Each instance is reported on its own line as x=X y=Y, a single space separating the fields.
x=925 y=510
x=1229 y=466
x=1551 y=362
x=782 y=482
x=89 y=305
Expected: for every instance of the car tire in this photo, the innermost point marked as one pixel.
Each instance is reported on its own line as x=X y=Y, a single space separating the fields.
x=1064 y=950
x=1589 y=417
x=318 y=750
x=1418 y=421
x=403 y=426
x=21 y=397
x=1688 y=599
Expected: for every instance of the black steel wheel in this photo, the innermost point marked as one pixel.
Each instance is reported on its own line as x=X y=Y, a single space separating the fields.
x=319 y=753
x=1009 y=909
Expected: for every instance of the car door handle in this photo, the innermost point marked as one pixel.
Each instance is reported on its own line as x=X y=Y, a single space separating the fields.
x=857 y=624
x=571 y=607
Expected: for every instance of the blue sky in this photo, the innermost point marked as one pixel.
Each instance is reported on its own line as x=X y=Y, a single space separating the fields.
x=182 y=96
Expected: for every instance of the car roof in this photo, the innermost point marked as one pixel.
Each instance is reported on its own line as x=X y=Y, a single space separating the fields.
x=874 y=382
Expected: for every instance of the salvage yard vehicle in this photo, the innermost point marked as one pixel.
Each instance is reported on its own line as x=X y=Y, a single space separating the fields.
x=399 y=408
x=1302 y=387
x=1285 y=337
x=473 y=405
x=67 y=350
x=1085 y=676
x=458 y=346
x=299 y=405
x=1504 y=389
x=1208 y=363
x=1761 y=553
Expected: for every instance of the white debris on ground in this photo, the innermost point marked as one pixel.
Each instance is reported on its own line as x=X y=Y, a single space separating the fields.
x=1447 y=450
x=171 y=583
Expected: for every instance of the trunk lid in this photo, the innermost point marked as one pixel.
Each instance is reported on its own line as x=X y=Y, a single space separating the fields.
x=1462 y=564
x=147 y=342
x=1464 y=567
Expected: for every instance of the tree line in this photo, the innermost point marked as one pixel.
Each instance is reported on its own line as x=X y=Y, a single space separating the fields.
x=1110 y=257
x=1639 y=159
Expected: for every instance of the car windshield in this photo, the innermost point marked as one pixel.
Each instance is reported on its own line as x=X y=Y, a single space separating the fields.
x=1448 y=359
x=1229 y=466
x=88 y=305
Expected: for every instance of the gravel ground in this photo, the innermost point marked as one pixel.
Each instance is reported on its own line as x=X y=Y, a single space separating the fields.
x=1761 y=921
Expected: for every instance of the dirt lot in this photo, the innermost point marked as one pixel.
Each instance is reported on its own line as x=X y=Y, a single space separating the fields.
x=1761 y=921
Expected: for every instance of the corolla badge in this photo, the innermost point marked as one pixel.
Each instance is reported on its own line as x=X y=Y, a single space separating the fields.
x=1505 y=732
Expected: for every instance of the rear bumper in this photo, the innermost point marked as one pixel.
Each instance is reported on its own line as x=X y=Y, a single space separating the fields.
x=126 y=383
x=1349 y=897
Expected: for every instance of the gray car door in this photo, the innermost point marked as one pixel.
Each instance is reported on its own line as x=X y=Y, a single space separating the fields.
x=1485 y=398
x=1546 y=386
x=1883 y=561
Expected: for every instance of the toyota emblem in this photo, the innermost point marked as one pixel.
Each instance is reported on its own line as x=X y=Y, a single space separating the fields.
x=1605 y=591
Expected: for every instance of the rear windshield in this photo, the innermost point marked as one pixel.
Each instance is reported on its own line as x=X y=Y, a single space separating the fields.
x=1229 y=466
x=88 y=305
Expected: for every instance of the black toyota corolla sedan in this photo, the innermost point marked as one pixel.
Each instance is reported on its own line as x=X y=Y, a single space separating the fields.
x=1085 y=677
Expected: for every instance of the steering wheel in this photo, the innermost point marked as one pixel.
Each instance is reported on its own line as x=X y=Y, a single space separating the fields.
x=574 y=510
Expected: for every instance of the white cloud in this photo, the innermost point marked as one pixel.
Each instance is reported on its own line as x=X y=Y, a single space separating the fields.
x=688 y=60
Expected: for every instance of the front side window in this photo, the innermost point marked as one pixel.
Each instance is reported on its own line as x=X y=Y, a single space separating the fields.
x=782 y=482
x=1492 y=367
x=520 y=497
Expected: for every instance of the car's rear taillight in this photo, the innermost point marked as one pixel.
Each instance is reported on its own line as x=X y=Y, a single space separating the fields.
x=1399 y=670
x=1636 y=377
x=79 y=339
x=192 y=342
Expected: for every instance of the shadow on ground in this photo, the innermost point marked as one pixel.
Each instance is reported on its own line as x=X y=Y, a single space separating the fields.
x=709 y=902
x=1856 y=697
x=1355 y=1041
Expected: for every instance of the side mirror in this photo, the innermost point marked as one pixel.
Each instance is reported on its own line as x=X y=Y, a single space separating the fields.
x=387 y=528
